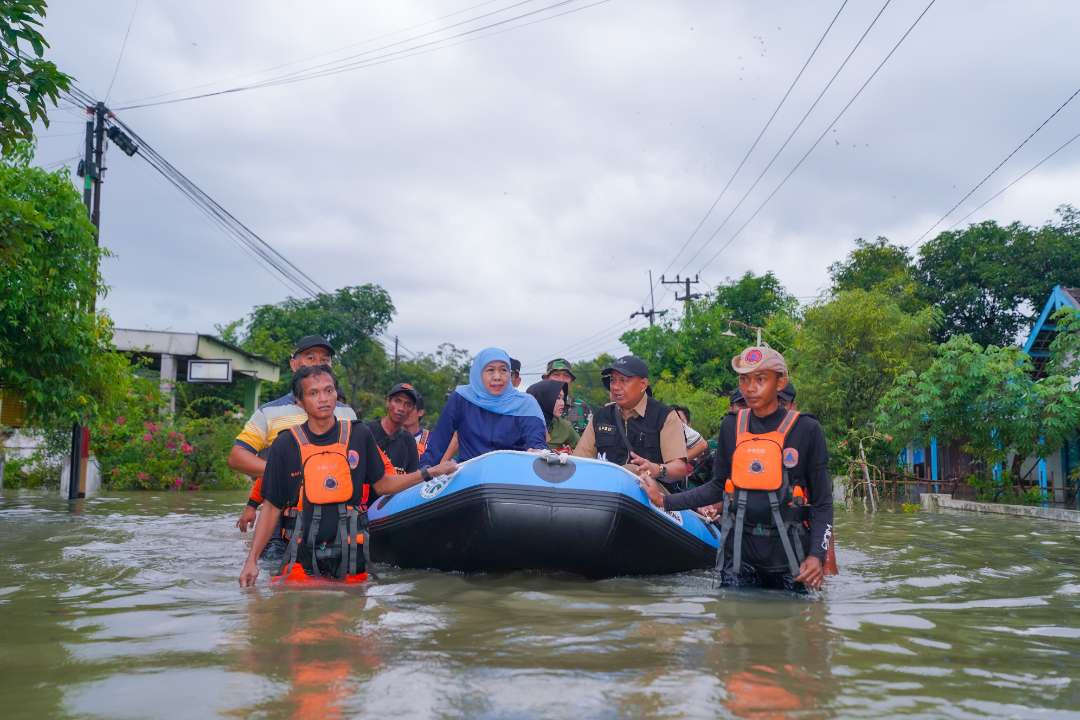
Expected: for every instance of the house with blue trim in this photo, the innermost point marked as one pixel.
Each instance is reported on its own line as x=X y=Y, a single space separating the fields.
x=939 y=465
x=1054 y=470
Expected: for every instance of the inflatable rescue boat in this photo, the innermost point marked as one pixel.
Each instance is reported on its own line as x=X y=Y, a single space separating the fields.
x=510 y=510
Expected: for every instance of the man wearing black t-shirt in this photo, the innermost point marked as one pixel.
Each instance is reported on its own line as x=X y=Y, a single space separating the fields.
x=762 y=374
x=315 y=389
x=390 y=434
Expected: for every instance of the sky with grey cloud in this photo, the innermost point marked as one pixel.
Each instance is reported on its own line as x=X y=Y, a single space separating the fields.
x=516 y=188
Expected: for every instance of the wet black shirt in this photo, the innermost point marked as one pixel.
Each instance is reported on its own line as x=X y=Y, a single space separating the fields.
x=399 y=447
x=281 y=480
x=811 y=471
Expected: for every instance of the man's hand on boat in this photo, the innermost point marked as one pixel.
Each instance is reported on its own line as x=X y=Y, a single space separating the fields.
x=447 y=467
x=651 y=488
x=711 y=512
x=811 y=574
x=644 y=465
x=247 y=519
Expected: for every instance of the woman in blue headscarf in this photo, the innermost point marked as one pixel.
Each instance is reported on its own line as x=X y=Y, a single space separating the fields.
x=487 y=414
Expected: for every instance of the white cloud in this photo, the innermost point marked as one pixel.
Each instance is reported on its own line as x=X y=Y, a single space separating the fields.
x=517 y=189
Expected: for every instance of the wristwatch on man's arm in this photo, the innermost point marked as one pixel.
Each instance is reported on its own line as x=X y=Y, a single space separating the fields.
x=425 y=473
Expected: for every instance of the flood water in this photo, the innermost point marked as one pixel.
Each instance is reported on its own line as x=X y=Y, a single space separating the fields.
x=127 y=606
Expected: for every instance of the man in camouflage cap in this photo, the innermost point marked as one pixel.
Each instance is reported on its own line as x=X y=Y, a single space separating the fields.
x=577 y=412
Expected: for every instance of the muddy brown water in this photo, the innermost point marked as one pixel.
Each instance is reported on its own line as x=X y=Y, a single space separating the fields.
x=126 y=606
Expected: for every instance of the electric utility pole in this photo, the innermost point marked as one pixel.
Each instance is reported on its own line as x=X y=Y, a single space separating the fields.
x=91 y=170
x=687 y=295
x=652 y=312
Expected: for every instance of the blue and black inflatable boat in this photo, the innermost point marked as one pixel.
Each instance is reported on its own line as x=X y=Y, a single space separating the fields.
x=511 y=510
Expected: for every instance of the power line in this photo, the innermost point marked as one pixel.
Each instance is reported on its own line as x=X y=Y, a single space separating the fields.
x=788 y=139
x=820 y=137
x=757 y=140
x=347 y=64
x=265 y=254
x=327 y=53
x=123 y=44
x=59 y=163
x=996 y=168
x=1020 y=177
x=618 y=327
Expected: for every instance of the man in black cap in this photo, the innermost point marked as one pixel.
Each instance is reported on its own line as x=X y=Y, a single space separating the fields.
x=636 y=430
x=515 y=373
x=390 y=434
x=248 y=454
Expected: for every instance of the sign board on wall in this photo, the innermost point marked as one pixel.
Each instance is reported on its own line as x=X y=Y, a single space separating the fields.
x=209 y=371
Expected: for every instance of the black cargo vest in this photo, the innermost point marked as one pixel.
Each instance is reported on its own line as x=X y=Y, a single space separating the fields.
x=642 y=432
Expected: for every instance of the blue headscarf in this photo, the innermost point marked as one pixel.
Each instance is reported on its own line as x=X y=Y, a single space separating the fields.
x=509 y=402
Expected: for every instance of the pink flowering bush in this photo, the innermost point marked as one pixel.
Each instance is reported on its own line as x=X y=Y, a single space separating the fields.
x=141 y=449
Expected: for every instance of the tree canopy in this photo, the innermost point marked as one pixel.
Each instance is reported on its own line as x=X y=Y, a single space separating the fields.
x=984 y=398
x=30 y=81
x=55 y=350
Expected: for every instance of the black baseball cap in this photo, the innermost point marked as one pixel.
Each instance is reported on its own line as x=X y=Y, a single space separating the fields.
x=515 y=365
x=309 y=341
x=627 y=365
x=788 y=392
x=405 y=389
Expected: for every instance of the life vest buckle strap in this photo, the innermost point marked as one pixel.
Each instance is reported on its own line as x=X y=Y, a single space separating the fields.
x=781 y=526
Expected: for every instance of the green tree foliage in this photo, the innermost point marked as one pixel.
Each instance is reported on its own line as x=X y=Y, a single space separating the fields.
x=30 y=82
x=986 y=400
x=349 y=318
x=706 y=409
x=879 y=265
x=848 y=353
x=54 y=348
x=434 y=375
x=990 y=281
x=699 y=347
x=1065 y=349
x=753 y=299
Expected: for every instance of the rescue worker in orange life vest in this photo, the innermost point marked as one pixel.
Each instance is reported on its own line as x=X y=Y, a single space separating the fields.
x=286 y=482
x=772 y=474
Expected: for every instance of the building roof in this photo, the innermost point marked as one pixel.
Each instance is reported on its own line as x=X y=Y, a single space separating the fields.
x=1045 y=330
x=194 y=345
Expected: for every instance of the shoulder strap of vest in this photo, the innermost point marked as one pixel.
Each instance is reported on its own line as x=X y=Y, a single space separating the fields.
x=788 y=422
x=344 y=431
x=742 y=424
x=298 y=433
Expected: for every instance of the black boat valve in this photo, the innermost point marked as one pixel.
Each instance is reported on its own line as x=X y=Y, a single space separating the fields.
x=554 y=467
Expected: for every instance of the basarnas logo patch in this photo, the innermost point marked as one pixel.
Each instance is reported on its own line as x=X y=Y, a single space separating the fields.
x=791 y=457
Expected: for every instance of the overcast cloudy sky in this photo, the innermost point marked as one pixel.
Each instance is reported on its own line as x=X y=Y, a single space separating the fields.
x=516 y=189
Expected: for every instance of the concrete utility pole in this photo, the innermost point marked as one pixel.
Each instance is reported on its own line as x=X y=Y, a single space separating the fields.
x=687 y=296
x=91 y=169
x=652 y=312
x=396 y=356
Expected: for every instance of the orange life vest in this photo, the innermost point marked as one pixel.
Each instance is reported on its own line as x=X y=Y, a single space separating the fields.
x=325 y=481
x=758 y=460
x=758 y=465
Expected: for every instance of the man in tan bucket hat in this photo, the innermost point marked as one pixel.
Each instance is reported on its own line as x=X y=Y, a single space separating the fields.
x=772 y=474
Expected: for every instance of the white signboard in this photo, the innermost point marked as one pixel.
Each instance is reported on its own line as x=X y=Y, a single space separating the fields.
x=209 y=371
